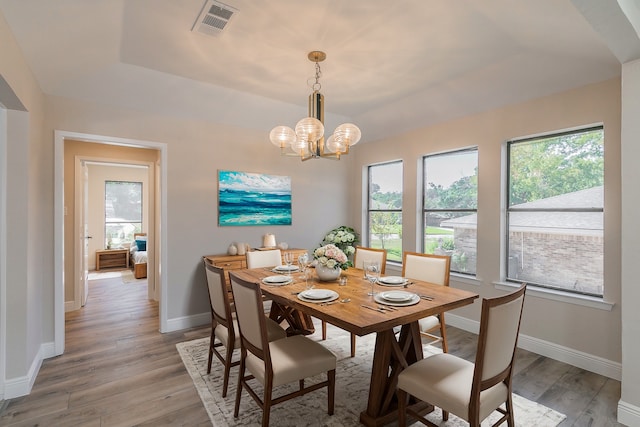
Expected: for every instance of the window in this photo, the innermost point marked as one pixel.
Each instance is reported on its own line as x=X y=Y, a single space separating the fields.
x=555 y=211
x=385 y=209
x=450 y=194
x=122 y=211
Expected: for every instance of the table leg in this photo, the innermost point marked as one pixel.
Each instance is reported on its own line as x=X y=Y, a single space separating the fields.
x=299 y=323
x=390 y=357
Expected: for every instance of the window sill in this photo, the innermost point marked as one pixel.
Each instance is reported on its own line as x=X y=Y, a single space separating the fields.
x=555 y=295
x=466 y=279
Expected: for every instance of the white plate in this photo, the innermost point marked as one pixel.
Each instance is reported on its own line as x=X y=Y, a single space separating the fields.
x=378 y=298
x=334 y=296
x=392 y=281
x=397 y=296
x=286 y=268
x=317 y=293
x=276 y=280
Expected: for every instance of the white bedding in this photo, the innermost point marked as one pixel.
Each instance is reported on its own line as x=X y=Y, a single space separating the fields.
x=139 y=257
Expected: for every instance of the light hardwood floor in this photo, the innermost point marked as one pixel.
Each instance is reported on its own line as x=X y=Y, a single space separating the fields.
x=118 y=370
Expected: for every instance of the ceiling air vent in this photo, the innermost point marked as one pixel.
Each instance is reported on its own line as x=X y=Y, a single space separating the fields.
x=213 y=18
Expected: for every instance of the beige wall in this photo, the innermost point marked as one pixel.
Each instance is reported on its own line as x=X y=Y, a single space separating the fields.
x=553 y=321
x=29 y=229
x=196 y=150
x=88 y=151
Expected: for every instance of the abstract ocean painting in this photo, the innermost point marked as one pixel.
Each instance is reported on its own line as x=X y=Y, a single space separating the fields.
x=253 y=199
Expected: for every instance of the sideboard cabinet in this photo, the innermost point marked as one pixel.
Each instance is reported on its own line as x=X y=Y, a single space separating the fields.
x=236 y=262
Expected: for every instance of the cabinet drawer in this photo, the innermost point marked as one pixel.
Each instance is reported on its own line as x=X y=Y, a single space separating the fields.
x=229 y=265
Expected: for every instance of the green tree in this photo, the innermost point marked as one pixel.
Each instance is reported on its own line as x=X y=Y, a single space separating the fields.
x=562 y=164
x=461 y=194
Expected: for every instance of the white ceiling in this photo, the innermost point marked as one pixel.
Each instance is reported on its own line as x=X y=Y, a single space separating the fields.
x=391 y=65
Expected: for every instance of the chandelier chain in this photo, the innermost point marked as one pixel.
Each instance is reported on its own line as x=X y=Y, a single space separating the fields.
x=317 y=86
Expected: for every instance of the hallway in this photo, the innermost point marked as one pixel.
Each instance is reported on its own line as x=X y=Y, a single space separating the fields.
x=117 y=369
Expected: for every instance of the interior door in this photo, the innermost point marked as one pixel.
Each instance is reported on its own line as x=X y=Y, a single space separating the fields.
x=84 y=233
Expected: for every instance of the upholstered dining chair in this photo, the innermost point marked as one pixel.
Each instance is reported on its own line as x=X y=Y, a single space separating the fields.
x=270 y=258
x=277 y=362
x=469 y=390
x=434 y=269
x=223 y=326
x=361 y=255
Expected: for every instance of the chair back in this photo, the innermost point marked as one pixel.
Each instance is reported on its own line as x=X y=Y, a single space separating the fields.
x=218 y=294
x=257 y=259
x=427 y=267
x=499 y=328
x=370 y=254
x=250 y=316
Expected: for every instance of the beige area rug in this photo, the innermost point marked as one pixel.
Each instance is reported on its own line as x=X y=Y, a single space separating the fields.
x=352 y=379
x=126 y=275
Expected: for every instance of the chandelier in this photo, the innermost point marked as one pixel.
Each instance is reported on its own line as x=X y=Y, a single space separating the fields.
x=307 y=140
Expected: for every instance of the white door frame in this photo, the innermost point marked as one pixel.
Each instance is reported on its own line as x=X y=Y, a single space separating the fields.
x=161 y=220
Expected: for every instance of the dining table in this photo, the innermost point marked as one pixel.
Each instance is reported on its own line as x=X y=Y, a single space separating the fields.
x=398 y=343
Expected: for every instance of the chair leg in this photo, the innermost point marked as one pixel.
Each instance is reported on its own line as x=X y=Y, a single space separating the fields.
x=331 y=391
x=324 y=330
x=509 y=408
x=211 y=343
x=353 y=345
x=227 y=368
x=266 y=408
x=402 y=408
x=445 y=415
x=236 y=409
x=443 y=334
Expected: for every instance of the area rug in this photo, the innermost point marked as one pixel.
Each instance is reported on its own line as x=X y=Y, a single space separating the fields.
x=128 y=277
x=352 y=380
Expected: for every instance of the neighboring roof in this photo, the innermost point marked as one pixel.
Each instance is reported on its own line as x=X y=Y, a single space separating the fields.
x=574 y=223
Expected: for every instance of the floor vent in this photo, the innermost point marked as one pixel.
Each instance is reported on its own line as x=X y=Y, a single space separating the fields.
x=213 y=18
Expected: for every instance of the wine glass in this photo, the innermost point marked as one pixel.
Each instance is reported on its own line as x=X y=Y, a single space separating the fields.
x=303 y=262
x=288 y=258
x=372 y=272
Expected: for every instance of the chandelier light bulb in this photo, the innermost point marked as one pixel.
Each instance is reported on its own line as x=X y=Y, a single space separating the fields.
x=282 y=136
x=309 y=129
x=349 y=133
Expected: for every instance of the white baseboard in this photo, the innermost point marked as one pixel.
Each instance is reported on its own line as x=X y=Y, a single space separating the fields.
x=573 y=357
x=21 y=386
x=628 y=414
x=187 y=322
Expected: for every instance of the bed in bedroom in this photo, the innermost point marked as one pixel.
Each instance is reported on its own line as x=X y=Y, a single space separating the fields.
x=138 y=253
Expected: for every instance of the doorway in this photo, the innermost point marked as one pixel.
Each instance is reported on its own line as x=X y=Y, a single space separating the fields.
x=113 y=202
x=63 y=205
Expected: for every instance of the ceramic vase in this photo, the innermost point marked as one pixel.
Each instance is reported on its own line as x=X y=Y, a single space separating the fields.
x=327 y=274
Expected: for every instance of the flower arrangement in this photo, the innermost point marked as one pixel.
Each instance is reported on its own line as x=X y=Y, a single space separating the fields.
x=331 y=256
x=345 y=238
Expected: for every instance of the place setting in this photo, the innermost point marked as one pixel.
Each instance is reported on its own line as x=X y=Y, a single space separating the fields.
x=397 y=298
x=318 y=296
x=284 y=269
x=392 y=281
x=279 y=280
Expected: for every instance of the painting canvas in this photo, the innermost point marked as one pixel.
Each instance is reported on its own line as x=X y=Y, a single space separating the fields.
x=253 y=199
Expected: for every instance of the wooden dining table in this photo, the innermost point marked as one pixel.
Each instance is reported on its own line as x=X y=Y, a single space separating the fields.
x=393 y=351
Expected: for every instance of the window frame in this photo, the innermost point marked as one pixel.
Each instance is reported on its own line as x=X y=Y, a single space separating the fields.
x=424 y=211
x=508 y=209
x=369 y=208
